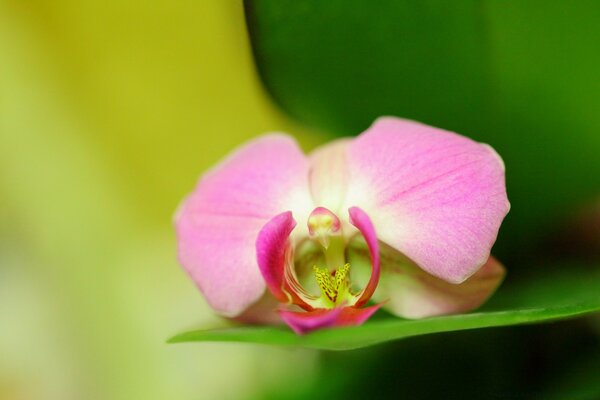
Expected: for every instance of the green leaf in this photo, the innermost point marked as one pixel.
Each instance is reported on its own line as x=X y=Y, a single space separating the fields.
x=566 y=293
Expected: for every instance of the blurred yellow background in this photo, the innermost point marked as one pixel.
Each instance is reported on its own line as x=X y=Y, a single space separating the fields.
x=109 y=112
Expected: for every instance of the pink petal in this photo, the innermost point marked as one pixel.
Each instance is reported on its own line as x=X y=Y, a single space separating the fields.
x=360 y=220
x=436 y=196
x=304 y=322
x=217 y=225
x=416 y=294
x=410 y=292
x=328 y=174
x=352 y=316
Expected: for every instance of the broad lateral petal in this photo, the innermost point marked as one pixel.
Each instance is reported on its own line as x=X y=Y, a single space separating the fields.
x=217 y=225
x=361 y=221
x=220 y=260
x=434 y=195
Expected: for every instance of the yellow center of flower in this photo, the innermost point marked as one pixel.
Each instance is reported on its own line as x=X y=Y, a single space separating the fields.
x=325 y=227
x=332 y=284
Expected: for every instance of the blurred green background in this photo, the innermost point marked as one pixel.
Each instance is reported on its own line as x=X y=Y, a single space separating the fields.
x=109 y=111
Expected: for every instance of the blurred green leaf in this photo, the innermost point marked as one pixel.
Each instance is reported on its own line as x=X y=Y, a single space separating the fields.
x=579 y=381
x=340 y=64
x=519 y=75
x=566 y=293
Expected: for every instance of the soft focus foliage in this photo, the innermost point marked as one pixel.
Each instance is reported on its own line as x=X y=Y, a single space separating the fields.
x=108 y=113
x=519 y=75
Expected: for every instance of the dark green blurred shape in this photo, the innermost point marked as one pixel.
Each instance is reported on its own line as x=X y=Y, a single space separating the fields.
x=523 y=76
x=341 y=64
x=512 y=363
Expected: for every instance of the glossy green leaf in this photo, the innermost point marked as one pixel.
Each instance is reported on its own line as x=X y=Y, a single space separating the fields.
x=567 y=293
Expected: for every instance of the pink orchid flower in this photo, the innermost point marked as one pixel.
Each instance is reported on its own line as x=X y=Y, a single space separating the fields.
x=408 y=211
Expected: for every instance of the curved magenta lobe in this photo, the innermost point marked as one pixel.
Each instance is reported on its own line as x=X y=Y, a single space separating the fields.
x=306 y=321
x=363 y=223
x=272 y=247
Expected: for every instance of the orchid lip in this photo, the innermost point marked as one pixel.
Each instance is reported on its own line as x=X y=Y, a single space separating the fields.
x=275 y=250
x=333 y=279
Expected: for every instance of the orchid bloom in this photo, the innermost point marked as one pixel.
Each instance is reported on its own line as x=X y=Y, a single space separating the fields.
x=404 y=213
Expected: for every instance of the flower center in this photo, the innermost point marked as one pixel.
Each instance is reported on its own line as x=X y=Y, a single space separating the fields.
x=332 y=284
x=322 y=225
x=325 y=227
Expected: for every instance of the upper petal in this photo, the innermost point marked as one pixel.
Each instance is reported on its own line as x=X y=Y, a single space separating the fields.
x=328 y=175
x=434 y=195
x=217 y=225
